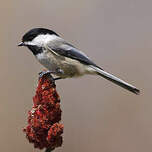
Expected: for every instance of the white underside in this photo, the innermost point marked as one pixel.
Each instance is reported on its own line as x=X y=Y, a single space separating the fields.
x=69 y=67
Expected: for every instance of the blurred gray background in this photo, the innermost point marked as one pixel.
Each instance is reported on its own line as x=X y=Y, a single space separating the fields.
x=97 y=115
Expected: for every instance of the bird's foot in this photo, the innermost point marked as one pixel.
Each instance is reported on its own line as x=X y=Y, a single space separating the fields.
x=42 y=73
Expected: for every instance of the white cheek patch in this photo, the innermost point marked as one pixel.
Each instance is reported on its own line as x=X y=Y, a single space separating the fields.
x=42 y=39
x=29 y=43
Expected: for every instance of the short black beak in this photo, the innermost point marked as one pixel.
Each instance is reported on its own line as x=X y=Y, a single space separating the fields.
x=21 y=44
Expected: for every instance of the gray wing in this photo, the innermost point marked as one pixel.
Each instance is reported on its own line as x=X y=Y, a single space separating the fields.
x=65 y=49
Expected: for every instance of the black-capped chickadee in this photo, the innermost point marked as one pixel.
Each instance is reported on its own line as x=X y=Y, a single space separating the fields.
x=63 y=59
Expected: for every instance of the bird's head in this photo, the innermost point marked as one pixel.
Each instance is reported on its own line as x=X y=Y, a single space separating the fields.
x=37 y=38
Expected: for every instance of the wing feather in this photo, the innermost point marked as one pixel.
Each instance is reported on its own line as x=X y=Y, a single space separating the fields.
x=67 y=50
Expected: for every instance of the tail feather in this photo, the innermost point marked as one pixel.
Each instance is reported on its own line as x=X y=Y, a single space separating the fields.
x=116 y=80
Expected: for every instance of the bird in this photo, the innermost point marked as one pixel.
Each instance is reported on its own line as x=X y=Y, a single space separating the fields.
x=63 y=59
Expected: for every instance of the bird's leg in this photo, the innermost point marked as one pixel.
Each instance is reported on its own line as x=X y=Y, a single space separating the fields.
x=42 y=73
x=45 y=72
x=59 y=72
x=58 y=78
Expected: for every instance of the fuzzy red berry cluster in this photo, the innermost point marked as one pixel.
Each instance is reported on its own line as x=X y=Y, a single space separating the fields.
x=44 y=129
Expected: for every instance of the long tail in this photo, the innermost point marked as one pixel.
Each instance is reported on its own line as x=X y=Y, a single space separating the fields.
x=116 y=80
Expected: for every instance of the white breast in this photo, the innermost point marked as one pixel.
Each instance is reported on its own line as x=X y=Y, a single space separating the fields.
x=70 y=67
x=47 y=61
